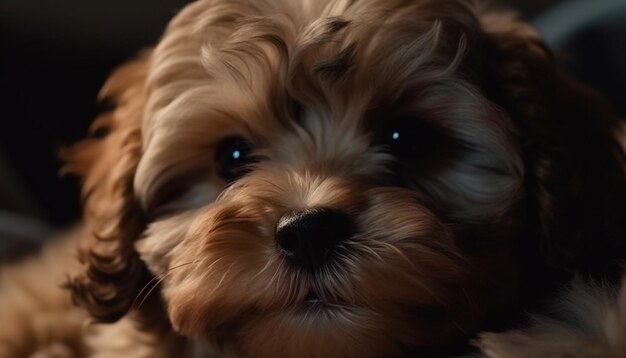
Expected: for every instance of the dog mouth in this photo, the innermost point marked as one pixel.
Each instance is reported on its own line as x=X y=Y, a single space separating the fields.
x=312 y=299
x=316 y=302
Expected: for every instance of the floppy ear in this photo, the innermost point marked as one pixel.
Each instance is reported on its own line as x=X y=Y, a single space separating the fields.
x=575 y=184
x=106 y=161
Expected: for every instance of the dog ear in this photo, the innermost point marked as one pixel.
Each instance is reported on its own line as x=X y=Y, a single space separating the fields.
x=106 y=162
x=574 y=182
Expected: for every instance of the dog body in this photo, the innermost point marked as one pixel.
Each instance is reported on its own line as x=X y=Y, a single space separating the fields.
x=342 y=178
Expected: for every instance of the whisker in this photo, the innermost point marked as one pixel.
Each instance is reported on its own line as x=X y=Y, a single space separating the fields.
x=280 y=189
x=267 y=265
x=276 y=273
x=151 y=290
x=370 y=251
x=222 y=279
x=159 y=279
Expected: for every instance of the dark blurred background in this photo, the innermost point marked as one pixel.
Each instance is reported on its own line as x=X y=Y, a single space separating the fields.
x=56 y=54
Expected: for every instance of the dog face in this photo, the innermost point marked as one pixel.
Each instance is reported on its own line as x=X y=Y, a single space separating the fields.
x=325 y=178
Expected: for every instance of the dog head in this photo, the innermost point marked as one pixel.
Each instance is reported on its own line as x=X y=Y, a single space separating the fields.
x=349 y=178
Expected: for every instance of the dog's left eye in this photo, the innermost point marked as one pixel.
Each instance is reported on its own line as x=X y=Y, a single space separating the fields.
x=232 y=157
x=409 y=139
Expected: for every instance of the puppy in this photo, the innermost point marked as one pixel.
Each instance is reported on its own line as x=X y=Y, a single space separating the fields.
x=344 y=178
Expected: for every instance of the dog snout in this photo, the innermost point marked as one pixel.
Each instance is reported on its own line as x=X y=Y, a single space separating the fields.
x=309 y=238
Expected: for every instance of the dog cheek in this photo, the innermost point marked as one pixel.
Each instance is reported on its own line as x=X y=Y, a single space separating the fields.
x=217 y=271
x=160 y=240
x=200 y=305
x=187 y=317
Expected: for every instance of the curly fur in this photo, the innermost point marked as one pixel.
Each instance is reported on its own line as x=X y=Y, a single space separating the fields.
x=527 y=191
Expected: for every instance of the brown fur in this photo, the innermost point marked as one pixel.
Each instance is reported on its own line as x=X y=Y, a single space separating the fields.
x=445 y=247
x=38 y=319
x=592 y=324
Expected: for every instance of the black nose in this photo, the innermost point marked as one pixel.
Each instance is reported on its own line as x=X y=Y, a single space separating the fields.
x=307 y=238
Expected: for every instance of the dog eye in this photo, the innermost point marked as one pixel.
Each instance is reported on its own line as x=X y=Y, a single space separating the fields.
x=409 y=139
x=232 y=157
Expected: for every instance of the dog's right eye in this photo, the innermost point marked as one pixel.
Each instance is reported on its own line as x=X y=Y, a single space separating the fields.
x=232 y=157
x=409 y=139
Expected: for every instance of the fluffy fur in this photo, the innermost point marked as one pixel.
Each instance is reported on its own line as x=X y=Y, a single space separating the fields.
x=525 y=190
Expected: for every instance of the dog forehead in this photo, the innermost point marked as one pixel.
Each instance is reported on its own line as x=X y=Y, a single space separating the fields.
x=258 y=51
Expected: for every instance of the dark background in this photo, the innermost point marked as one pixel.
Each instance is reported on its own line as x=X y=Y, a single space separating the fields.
x=55 y=55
